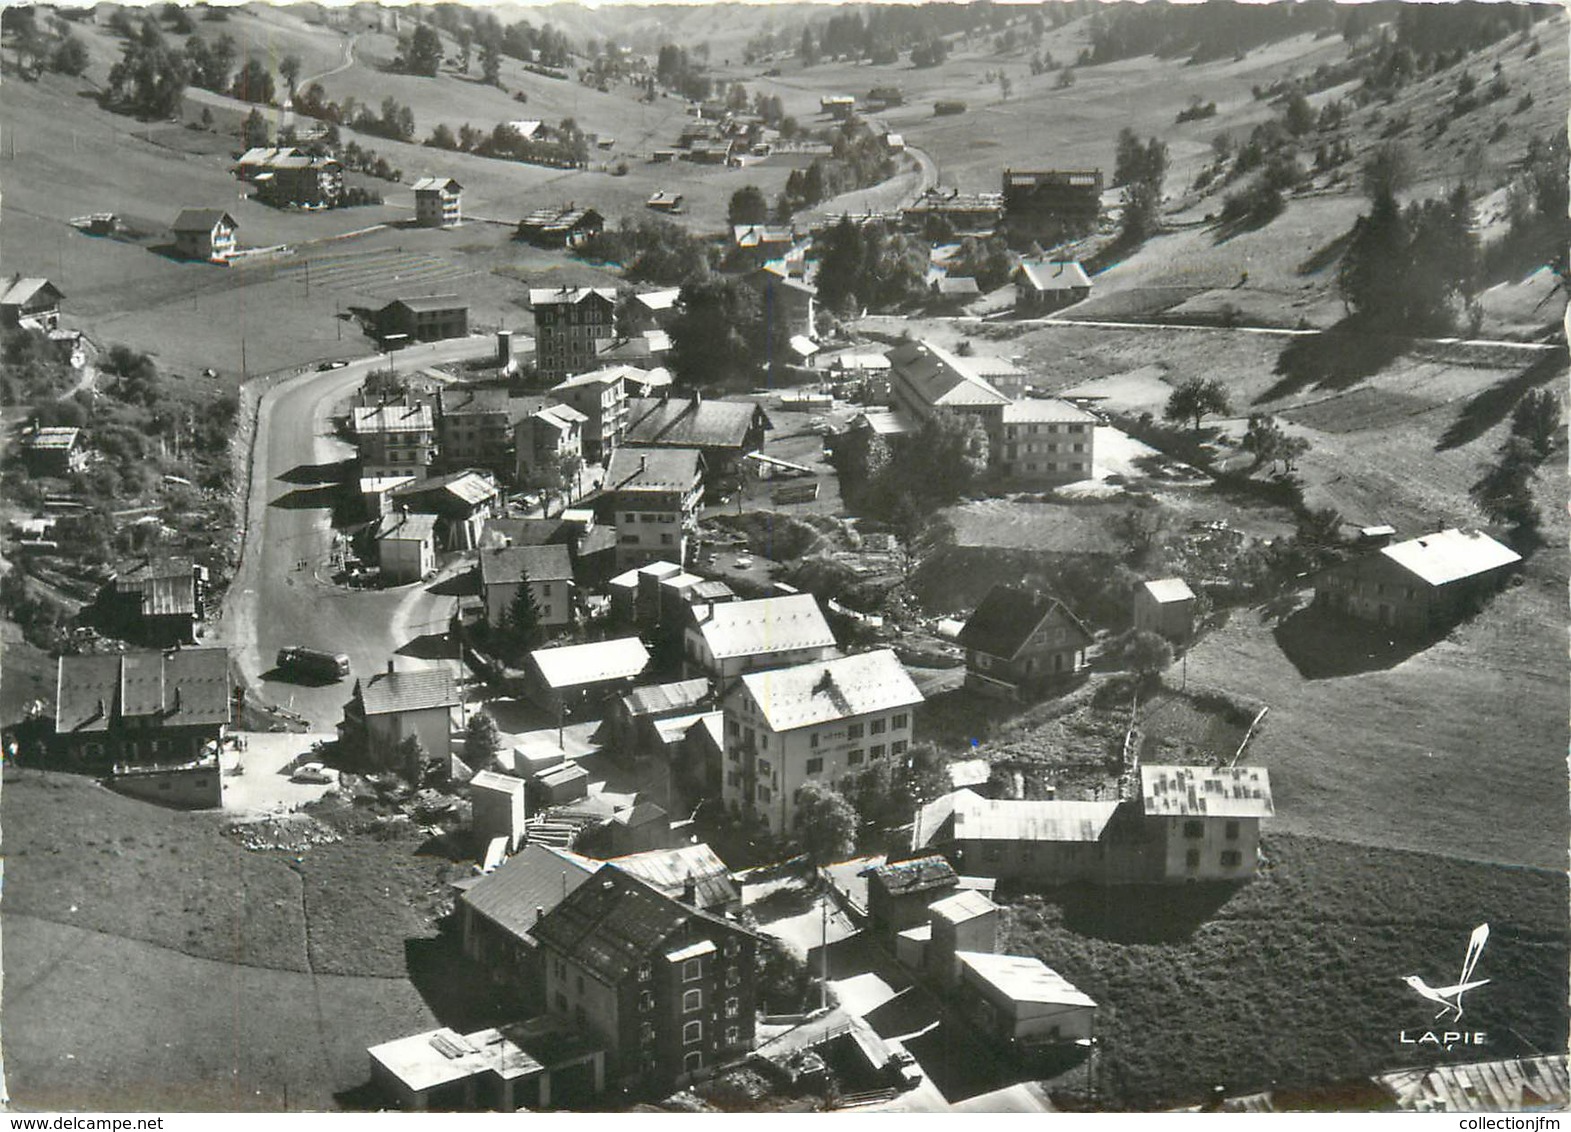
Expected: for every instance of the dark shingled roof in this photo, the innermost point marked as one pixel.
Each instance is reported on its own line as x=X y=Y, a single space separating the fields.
x=919 y=875
x=388 y=692
x=182 y=688
x=691 y=423
x=537 y=877
x=1008 y=616
x=615 y=921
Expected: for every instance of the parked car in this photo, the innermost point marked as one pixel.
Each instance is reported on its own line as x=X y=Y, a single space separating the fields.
x=743 y=562
x=902 y=1069
x=314 y=773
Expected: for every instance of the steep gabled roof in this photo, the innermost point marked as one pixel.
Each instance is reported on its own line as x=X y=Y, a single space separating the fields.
x=537 y=877
x=181 y=688
x=24 y=289
x=826 y=690
x=568 y=296
x=425 y=303
x=616 y=921
x=670 y=869
x=392 y=418
x=386 y=693
x=939 y=377
x=1007 y=618
x=1053 y=275
x=697 y=423
x=653 y=469
x=436 y=185
x=544 y=562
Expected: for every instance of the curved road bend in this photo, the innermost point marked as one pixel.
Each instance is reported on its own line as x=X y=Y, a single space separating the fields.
x=274 y=601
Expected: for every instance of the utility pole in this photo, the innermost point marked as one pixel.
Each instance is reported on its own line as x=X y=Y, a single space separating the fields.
x=823 y=947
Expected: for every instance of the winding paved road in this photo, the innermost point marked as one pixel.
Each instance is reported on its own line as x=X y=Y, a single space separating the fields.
x=281 y=594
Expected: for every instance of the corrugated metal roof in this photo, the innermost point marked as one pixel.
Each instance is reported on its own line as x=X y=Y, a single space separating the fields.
x=701 y=423
x=670 y=869
x=989 y=819
x=1202 y=791
x=1021 y=978
x=963 y=906
x=826 y=690
x=763 y=626
x=393 y=418
x=1450 y=555
x=655 y=698
x=573 y=666
x=537 y=877
x=653 y=469
x=502 y=783
x=1164 y=590
x=1514 y=1085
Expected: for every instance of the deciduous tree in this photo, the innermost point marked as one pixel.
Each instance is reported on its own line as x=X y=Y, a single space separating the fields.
x=1196 y=399
x=825 y=823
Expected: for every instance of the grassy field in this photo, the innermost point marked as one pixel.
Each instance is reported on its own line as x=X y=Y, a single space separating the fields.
x=151 y=962
x=1296 y=979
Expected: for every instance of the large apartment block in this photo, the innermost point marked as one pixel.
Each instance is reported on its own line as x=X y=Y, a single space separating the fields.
x=572 y=324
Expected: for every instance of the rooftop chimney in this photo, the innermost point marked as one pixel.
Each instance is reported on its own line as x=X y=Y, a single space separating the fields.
x=539 y=913
x=389 y=665
x=690 y=891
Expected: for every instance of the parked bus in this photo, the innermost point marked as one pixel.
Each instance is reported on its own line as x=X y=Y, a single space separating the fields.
x=311 y=662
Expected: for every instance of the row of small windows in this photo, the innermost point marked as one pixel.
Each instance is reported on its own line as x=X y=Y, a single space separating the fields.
x=1194 y=830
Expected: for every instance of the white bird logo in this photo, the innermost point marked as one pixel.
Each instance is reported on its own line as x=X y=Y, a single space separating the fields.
x=1450 y=998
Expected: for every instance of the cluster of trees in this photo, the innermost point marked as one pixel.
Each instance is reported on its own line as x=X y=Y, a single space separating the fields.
x=871 y=265
x=1538 y=231
x=930 y=54
x=857 y=159
x=723 y=336
x=566 y=147
x=833 y=821
x=1404 y=270
x=546 y=45
x=1140 y=168
x=1505 y=491
x=36 y=49
x=150 y=77
x=879 y=34
x=1265 y=440
x=1201 y=32
x=686 y=74
x=650 y=249
x=419 y=52
x=392 y=119
x=907 y=482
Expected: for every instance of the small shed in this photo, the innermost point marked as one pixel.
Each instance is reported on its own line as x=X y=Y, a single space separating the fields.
x=560 y=784
x=1022 y=1003
x=499 y=807
x=1166 y=606
x=898 y=894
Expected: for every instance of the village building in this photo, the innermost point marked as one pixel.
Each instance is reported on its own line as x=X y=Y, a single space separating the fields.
x=788 y=302
x=584 y=676
x=204 y=233
x=568 y=227
x=461 y=501
x=1019 y=642
x=499 y=809
x=405 y=547
x=760 y=243
x=693 y=874
x=656 y=309
x=474 y=427
x=541 y=1063
x=837 y=106
x=899 y=892
x=667 y=987
x=1048 y=206
x=439 y=202
x=389 y=708
x=601 y=396
x=1037 y=441
x=1046 y=285
x=571 y=326
x=156 y=602
x=256 y=160
x=549 y=569
x=1023 y=1004
x=824 y=722
x=1520 y=1084
x=663 y=201
x=1187 y=823
x=1166 y=606
x=497 y=911
x=429 y=319
x=394 y=439
x=968 y=920
x=1421 y=585
x=724 y=431
x=142 y=708
x=300 y=180
x=954 y=290
x=653 y=495
x=546 y=442
x=56 y=451
x=626 y=716
x=953 y=212
x=31 y=303
x=734 y=637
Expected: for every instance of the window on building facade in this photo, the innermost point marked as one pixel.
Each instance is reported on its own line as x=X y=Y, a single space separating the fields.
x=765 y=766
x=733 y=1007
x=898 y=747
x=646 y=1033
x=692 y=1000
x=1194 y=830
x=876 y=750
x=853 y=731
x=1232 y=831
x=692 y=1032
x=764 y=794
x=1192 y=858
x=1231 y=858
x=733 y=727
x=693 y=1061
x=561 y=1001
x=692 y=970
x=854 y=757
x=814 y=766
x=733 y=977
x=646 y=971
x=812 y=741
x=733 y=1035
x=876 y=726
x=646 y=1002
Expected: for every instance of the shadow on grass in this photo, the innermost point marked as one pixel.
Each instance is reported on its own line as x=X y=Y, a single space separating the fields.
x=961 y=716
x=1334 y=359
x=1155 y=913
x=336 y=472
x=1324 y=646
x=1326 y=255
x=1490 y=406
